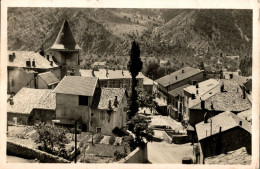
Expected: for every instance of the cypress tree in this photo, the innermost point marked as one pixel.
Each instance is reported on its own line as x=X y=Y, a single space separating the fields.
x=134 y=66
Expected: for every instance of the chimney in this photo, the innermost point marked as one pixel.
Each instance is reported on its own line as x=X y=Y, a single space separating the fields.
x=206 y=117
x=194 y=82
x=28 y=63
x=246 y=118
x=33 y=63
x=193 y=96
x=202 y=104
x=72 y=73
x=176 y=77
x=11 y=57
x=231 y=76
x=93 y=72
x=222 y=88
x=197 y=91
x=11 y=100
x=182 y=70
x=51 y=63
x=48 y=57
x=123 y=72
x=114 y=68
x=240 y=123
x=116 y=102
x=220 y=129
x=110 y=105
x=197 y=85
x=211 y=106
x=106 y=72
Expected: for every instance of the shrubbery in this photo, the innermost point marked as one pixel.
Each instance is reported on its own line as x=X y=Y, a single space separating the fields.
x=119 y=132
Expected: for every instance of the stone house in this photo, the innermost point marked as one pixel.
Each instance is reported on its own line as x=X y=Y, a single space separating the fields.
x=229 y=96
x=46 y=80
x=167 y=83
x=24 y=66
x=108 y=110
x=223 y=133
x=98 y=109
x=32 y=105
x=113 y=78
x=149 y=85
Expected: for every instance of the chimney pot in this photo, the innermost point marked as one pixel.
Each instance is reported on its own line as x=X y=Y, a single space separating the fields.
x=240 y=123
x=231 y=76
x=116 y=102
x=93 y=73
x=48 y=57
x=33 y=63
x=107 y=72
x=51 y=63
x=28 y=63
x=176 y=77
x=220 y=129
x=202 y=104
x=11 y=100
x=197 y=85
x=182 y=71
x=197 y=91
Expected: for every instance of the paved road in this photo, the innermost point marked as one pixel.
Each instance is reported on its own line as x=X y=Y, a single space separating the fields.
x=162 y=152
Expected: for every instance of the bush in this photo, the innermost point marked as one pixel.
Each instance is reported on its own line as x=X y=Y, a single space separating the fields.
x=119 y=155
x=99 y=138
x=112 y=140
x=119 y=132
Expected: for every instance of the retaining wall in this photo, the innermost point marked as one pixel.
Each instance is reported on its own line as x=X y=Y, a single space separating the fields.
x=26 y=152
x=137 y=156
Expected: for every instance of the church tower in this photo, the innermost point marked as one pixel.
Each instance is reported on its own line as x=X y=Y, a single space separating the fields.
x=66 y=51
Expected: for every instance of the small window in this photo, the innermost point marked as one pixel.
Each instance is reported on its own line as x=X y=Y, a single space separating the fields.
x=83 y=100
x=105 y=85
x=98 y=130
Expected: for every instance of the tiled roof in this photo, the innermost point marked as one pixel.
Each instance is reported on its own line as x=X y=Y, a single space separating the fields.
x=65 y=39
x=171 y=79
x=229 y=100
x=112 y=74
x=22 y=56
x=49 y=78
x=27 y=99
x=225 y=120
x=99 y=63
x=241 y=80
x=239 y=156
x=178 y=91
x=148 y=81
x=103 y=95
x=77 y=85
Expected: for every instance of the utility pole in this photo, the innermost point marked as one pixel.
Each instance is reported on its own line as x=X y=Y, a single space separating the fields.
x=75 y=141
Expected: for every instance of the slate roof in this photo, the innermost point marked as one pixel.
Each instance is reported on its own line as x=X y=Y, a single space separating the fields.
x=65 y=39
x=225 y=120
x=77 y=85
x=28 y=99
x=168 y=80
x=99 y=63
x=239 y=156
x=22 y=56
x=148 y=81
x=103 y=95
x=112 y=74
x=230 y=100
x=178 y=91
x=49 y=78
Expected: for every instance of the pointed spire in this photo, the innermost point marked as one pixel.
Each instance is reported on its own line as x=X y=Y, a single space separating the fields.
x=65 y=40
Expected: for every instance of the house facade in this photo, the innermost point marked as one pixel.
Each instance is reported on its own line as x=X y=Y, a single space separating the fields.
x=30 y=106
x=46 y=80
x=223 y=133
x=23 y=67
x=114 y=78
x=184 y=76
x=82 y=99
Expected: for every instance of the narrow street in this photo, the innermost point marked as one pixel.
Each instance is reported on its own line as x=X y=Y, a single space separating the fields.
x=162 y=152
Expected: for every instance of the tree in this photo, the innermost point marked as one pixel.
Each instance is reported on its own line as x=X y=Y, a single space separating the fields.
x=141 y=131
x=147 y=100
x=151 y=70
x=52 y=139
x=202 y=67
x=134 y=66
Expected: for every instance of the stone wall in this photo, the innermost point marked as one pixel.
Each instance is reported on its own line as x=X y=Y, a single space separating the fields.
x=29 y=153
x=137 y=156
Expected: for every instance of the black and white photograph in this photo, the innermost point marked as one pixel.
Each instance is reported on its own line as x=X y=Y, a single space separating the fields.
x=130 y=85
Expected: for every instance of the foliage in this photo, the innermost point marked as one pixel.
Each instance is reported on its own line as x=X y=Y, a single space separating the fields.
x=119 y=132
x=134 y=66
x=112 y=140
x=151 y=70
x=141 y=130
x=119 y=155
x=52 y=139
x=98 y=138
x=147 y=100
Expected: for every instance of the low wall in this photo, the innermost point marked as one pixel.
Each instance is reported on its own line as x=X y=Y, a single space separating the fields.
x=26 y=152
x=137 y=156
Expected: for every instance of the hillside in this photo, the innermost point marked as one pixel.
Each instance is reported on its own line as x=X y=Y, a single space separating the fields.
x=182 y=36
